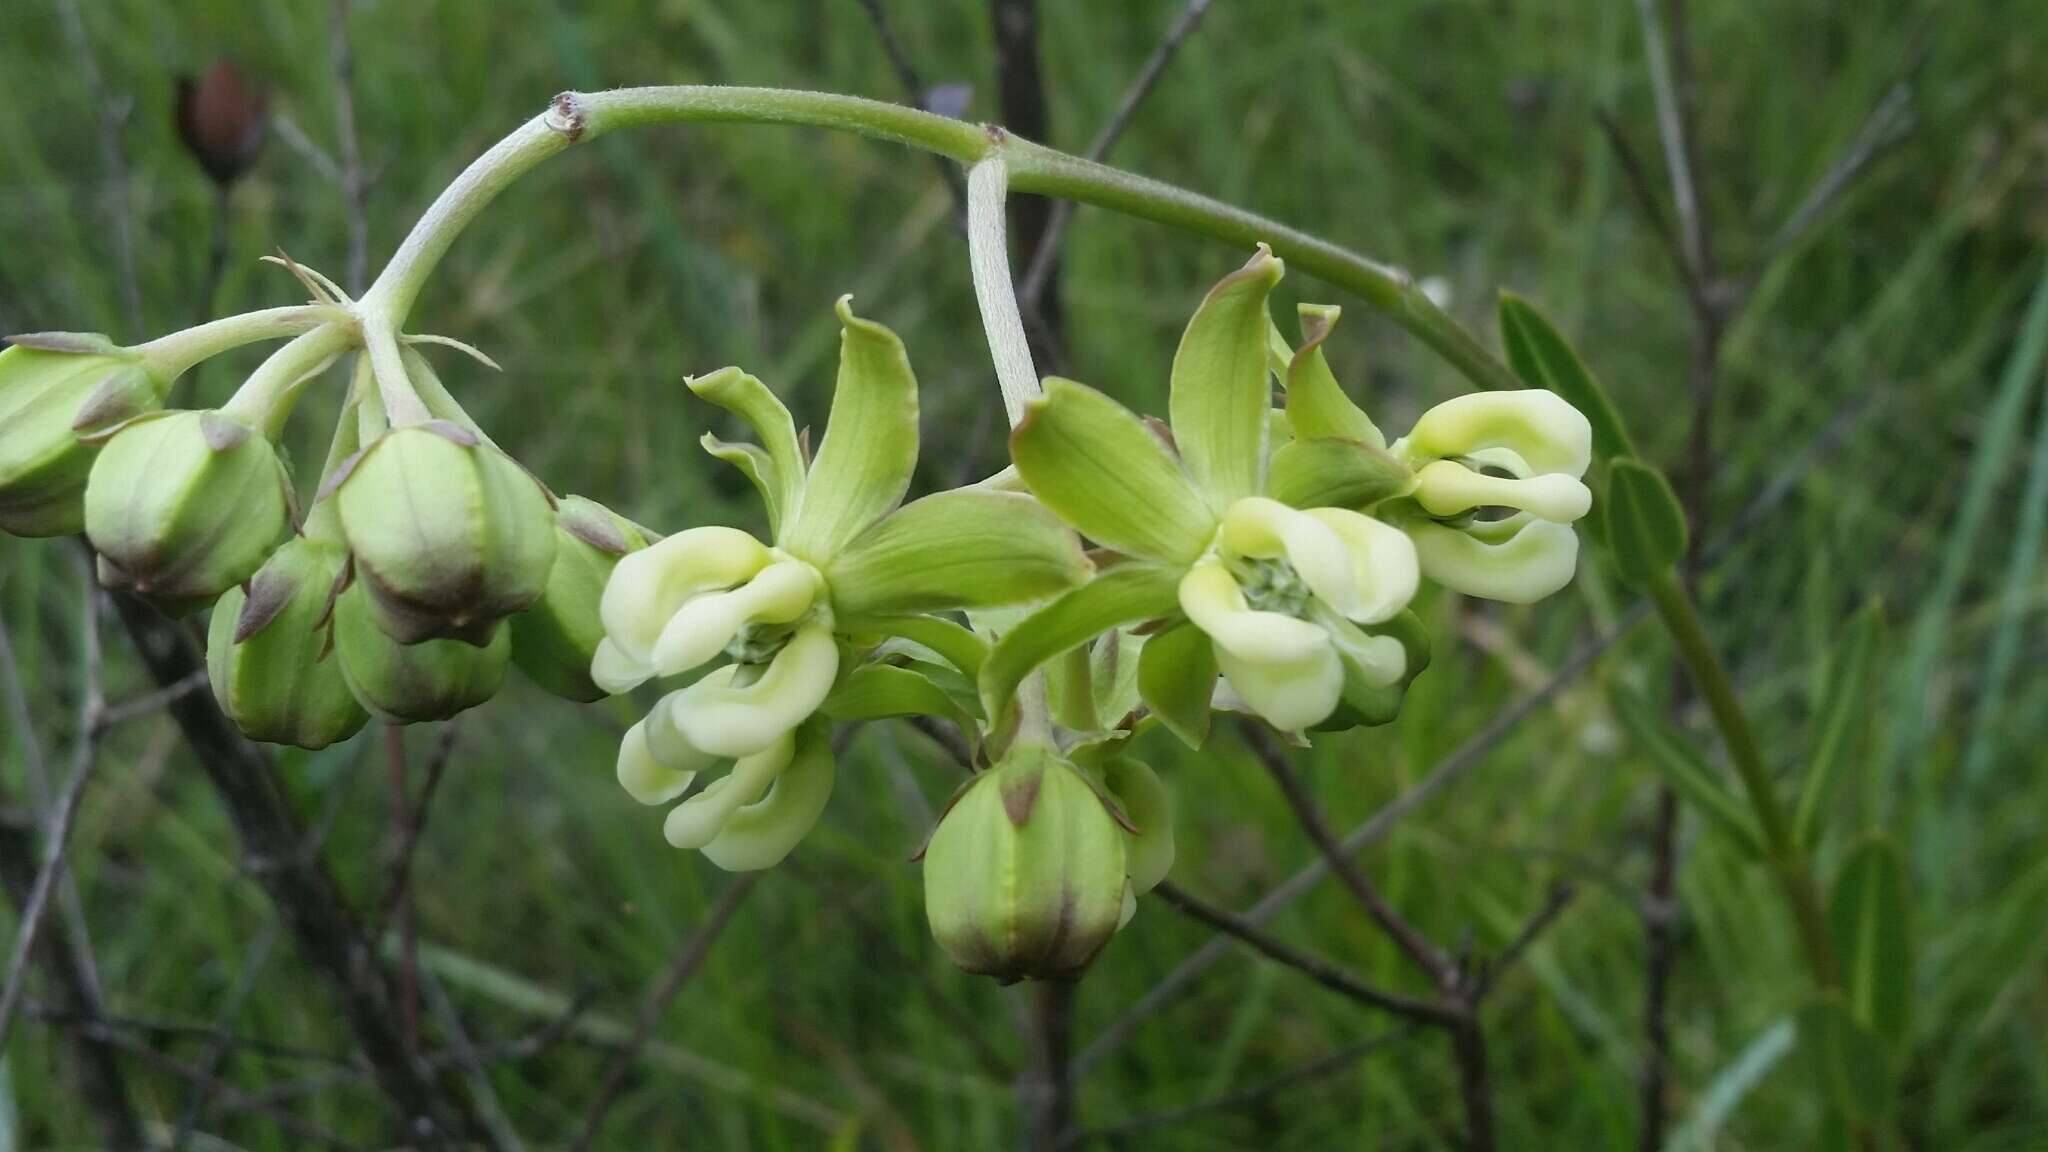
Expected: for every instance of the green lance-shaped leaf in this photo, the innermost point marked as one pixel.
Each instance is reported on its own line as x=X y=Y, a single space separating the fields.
x=1543 y=359
x=954 y=644
x=1645 y=527
x=870 y=446
x=1675 y=759
x=1096 y=465
x=776 y=465
x=1869 y=917
x=1123 y=595
x=1317 y=407
x=1177 y=679
x=1843 y=721
x=1330 y=473
x=968 y=548
x=1219 y=393
x=1851 y=1063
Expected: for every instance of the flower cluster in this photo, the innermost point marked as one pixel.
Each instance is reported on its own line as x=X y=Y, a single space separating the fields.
x=427 y=563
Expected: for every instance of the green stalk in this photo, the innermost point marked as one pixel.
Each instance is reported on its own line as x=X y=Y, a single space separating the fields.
x=170 y=356
x=580 y=116
x=1781 y=851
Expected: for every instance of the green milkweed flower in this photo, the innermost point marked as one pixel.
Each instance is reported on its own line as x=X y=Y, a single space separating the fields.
x=56 y=387
x=554 y=641
x=269 y=650
x=790 y=616
x=183 y=506
x=1290 y=595
x=1025 y=876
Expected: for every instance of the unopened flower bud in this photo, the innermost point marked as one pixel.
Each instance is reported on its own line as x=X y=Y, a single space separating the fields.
x=269 y=651
x=183 y=506
x=1024 y=876
x=221 y=118
x=409 y=683
x=55 y=387
x=450 y=535
x=553 y=641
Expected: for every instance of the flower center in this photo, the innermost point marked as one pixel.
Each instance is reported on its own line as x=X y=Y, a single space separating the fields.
x=1270 y=585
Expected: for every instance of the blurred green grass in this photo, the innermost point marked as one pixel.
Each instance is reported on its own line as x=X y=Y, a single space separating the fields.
x=1454 y=138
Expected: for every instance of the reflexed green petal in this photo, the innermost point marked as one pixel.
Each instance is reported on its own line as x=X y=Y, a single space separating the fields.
x=953 y=643
x=763 y=833
x=960 y=549
x=1177 y=678
x=1092 y=462
x=1148 y=852
x=1317 y=407
x=870 y=446
x=1519 y=560
x=1122 y=595
x=1220 y=394
x=778 y=472
x=1334 y=474
x=882 y=691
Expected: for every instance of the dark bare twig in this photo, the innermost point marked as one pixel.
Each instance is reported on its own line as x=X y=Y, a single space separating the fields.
x=287 y=1119
x=58 y=1016
x=1432 y=961
x=464 y=1055
x=687 y=960
x=1330 y=975
x=401 y=909
x=1639 y=185
x=1889 y=122
x=914 y=87
x=1554 y=903
x=304 y=891
x=148 y=703
x=1045 y=254
x=412 y=825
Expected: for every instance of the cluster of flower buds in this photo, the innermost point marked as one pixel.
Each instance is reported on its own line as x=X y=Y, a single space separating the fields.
x=427 y=562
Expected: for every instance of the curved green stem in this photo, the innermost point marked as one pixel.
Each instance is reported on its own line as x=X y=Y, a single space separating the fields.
x=578 y=116
x=1781 y=849
x=169 y=357
x=265 y=400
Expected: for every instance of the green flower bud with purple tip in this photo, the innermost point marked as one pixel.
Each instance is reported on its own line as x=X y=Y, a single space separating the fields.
x=269 y=651
x=450 y=535
x=54 y=388
x=183 y=506
x=411 y=683
x=1024 y=876
x=554 y=641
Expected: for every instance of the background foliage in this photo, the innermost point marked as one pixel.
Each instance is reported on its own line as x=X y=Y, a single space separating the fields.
x=1457 y=139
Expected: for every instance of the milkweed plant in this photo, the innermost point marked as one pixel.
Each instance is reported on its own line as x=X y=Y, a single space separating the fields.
x=1257 y=551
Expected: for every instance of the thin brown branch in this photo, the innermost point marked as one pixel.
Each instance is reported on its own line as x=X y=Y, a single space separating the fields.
x=57 y=833
x=149 y=703
x=412 y=825
x=1045 y=254
x=1554 y=903
x=1637 y=176
x=311 y=903
x=914 y=87
x=1331 y=976
x=1426 y=956
x=685 y=964
x=401 y=910
x=288 y=1120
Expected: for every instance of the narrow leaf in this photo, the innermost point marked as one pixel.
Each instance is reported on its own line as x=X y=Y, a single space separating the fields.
x=776 y=465
x=1850 y=1062
x=1220 y=393
x=881 y=691
x=1331 y=473
x=955 y=644
x=966 y=548
x=870 y=448
x=1177 y=679
x=1675 y=759
x=1122 y=595
x=1316 y=404
x=1093 y=462
x=1843 y=721
x=1543 y=359
x=1645 y=527
x=1869 y=916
